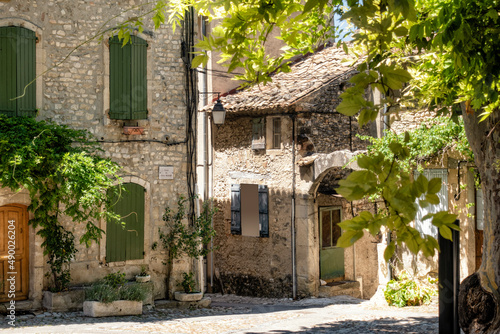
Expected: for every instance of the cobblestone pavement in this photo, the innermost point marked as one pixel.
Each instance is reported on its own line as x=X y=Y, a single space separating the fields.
x=233 y=314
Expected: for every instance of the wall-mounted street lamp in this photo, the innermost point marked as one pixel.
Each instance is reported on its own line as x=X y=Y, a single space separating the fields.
x=218 y=112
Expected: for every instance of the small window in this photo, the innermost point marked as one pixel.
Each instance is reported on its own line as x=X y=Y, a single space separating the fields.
x=276 y=133
x=249 y=210
x=330 y=230
x=126 y=241
x=128 y=79
x=17 y=70
x=258 y=134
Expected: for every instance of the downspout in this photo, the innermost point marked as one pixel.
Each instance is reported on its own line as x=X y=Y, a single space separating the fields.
x=294 y=261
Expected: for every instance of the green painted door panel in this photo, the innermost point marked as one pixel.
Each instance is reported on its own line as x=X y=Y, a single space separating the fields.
x=126 y=242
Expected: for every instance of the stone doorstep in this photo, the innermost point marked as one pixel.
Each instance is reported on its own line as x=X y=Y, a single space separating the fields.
x=21 y=305
x=349 y=288
x=205 y=302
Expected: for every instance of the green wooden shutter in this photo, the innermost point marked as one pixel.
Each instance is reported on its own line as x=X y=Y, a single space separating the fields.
x=126 y=242
x=127 y=78
x=263 y=211
x=8 y=41
x=235 y=209
x=139 y=96
x=26 y=72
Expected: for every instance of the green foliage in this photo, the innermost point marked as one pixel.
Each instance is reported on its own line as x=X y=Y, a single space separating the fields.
x=188 y=283
x=386 y=176
x=406 y=291
x=183 y=239
x=144 y=271
x=427 y=141
x=193 y=240
x=64 y=175
x=115 y=280
x=113 y=288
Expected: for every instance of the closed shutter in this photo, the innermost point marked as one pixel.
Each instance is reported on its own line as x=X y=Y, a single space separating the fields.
x=17 y=69
x=126 y=242
x=26 y=72
x=263 y=211
x=235 y=209
x=127 y=79
x=138 y=78
x=425 y=226
x=258 y=137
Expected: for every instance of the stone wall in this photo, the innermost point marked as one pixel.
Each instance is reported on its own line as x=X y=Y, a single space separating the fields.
x=263 y=266
x=75 y=92
x=326 y=129
x=253 y=265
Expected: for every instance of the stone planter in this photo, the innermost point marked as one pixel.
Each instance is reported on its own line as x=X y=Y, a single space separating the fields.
x=116 y=308
x=142 y=279
x=71 y=300
x=188 y=297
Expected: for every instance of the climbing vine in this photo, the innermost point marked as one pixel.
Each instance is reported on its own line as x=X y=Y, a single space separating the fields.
x=64 y=175
x=427 y=141
x=386 y=174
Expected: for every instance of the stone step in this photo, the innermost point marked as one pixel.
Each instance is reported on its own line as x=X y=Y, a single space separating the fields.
x=348 y=288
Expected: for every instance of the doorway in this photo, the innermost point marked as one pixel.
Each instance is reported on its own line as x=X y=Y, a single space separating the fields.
x=14 y=253
x=331 y=256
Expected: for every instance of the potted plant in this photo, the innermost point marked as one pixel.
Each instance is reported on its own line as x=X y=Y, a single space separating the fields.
x=143 y=276
x=189 y=294
x=112 y=297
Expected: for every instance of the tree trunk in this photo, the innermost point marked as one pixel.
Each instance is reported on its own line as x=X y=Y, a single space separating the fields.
x=479 y=299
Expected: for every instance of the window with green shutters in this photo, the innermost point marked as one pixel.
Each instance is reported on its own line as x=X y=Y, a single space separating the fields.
x=128 y=79
x=17 y=70
x=126 y=242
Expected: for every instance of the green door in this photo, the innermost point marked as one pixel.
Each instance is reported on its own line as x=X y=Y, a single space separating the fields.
x=126 y=242
x=331 y=257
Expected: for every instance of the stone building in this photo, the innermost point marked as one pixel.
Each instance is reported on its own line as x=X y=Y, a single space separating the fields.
x=459 y=195
x=138 y=110
x=277 y=160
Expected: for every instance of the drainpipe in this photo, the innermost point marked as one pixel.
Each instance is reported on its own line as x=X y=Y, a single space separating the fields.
x=294 y=261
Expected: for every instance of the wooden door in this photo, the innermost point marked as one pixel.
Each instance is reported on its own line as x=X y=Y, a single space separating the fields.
x=331 y=256
x=14 y=253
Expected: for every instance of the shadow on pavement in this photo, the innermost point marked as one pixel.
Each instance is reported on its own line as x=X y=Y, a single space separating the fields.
x=413 y=325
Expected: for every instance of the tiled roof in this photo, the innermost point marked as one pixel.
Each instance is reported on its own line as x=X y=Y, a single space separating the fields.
x=307 y=75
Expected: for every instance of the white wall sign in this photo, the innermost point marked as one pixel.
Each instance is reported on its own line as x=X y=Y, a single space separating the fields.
x=166 y=172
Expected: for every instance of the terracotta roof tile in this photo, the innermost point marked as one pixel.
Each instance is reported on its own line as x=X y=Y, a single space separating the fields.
x=307 y=75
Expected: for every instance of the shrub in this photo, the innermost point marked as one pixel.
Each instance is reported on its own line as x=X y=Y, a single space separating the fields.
x=113 y=288
x=405 y=291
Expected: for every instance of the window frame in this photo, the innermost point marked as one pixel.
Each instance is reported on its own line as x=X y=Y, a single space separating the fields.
x=263 y=210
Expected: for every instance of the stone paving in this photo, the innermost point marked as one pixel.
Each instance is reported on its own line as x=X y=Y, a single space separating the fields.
x=233 y=314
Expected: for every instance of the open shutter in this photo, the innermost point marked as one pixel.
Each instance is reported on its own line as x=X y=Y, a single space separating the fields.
x=26 y=72
x=258 y=137
x=8 y=41
x=263 y=211
x=119 y=79
x=127 y=242
x=235 y=209
x=139 y=96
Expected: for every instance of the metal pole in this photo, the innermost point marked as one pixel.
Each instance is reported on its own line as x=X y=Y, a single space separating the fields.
x=449 y=280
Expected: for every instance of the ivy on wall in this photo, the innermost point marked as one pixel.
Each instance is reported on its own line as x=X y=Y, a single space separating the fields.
x=64 y=175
